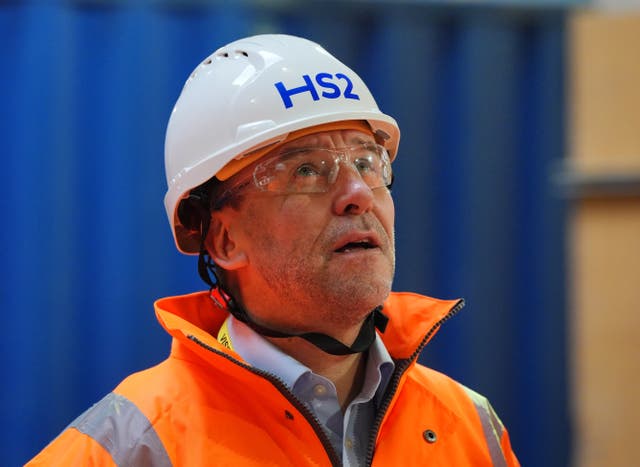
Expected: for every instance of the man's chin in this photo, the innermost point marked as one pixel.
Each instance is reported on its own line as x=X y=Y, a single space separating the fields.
x=359 y=297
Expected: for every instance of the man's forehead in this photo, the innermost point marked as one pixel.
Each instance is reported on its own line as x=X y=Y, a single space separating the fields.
x=330 y=138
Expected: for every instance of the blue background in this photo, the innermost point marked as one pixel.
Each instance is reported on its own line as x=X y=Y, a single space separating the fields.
x=86 y=89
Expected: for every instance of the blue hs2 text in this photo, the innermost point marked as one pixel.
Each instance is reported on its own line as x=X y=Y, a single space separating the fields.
x=333 y=87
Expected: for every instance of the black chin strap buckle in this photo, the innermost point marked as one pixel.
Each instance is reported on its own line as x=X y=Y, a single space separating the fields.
x=380 y=320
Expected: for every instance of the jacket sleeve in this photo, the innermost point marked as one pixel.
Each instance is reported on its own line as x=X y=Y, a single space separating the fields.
x=73 y=448
x=509 y=455
x=112 y=432
x=496 y=435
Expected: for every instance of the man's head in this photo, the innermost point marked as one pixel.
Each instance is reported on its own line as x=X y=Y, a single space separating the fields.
x=278 y=161
x=250 y=96
x=318 y=235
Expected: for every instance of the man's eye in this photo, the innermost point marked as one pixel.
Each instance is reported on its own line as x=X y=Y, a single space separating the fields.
x=307 y=170
x=363 y=164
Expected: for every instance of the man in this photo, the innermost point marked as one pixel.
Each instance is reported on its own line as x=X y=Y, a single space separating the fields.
x=279 y=166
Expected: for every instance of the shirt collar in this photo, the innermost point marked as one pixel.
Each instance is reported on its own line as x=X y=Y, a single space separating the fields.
x=262 y=354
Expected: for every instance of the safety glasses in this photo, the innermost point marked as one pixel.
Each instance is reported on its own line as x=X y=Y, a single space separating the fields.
x=314 y=170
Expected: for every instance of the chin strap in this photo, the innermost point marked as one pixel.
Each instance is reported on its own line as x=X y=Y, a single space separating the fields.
x=366 y=336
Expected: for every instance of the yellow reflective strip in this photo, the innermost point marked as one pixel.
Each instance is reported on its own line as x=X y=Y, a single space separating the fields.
x=491 y=426
x=119 y=426
x=223 y=335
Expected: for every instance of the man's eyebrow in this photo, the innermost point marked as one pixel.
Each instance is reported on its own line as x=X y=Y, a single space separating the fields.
x=315 y=142
x=306 y=143
x=360 y=139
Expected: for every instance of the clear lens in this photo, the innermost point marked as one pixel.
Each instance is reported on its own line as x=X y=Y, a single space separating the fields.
x=313 y=170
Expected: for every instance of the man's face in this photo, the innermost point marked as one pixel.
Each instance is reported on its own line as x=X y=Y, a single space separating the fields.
x=314 y=261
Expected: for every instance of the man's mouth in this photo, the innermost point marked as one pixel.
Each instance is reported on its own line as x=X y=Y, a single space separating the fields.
x=357 y=245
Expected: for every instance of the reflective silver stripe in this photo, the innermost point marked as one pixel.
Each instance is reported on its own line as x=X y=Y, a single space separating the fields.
x=124 y=432
x=491 y=426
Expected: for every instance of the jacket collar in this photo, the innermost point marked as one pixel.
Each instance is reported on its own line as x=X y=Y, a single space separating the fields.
x=413 y=318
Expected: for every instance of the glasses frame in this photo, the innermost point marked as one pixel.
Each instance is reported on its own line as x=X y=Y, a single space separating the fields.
x=340 y=156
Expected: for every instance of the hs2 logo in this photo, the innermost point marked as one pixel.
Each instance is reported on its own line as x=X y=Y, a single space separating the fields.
x=331 y=87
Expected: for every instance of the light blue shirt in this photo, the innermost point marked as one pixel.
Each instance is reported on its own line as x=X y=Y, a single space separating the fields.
x=349 y=434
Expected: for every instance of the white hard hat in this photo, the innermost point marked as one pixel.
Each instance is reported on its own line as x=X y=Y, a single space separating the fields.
x=250 y=95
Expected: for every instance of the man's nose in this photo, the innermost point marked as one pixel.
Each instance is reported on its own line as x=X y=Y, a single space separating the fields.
x=352 y=194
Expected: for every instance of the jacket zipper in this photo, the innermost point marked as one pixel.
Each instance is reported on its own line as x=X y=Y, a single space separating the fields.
x=282 y=387
x=401 y=367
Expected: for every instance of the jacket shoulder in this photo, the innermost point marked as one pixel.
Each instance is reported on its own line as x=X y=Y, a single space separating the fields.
x=112 y=432
x=471 y=409
x=453 y=394
x=449 y=392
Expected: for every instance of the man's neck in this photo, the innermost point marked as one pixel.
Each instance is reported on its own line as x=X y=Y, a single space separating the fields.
x=345 y=371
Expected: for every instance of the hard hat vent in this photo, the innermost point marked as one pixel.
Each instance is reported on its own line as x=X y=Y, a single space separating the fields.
x=220 y=55
x=235 y=54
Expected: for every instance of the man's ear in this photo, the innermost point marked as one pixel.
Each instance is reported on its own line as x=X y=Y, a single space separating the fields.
x=223 y=248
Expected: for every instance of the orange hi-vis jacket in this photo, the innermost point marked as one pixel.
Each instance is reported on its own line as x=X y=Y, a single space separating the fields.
x=204 y=406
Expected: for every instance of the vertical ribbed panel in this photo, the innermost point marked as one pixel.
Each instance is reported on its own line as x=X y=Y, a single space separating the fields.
x=86 y=94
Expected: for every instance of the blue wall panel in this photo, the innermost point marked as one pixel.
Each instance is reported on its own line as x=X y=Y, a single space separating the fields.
x=87 y=89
